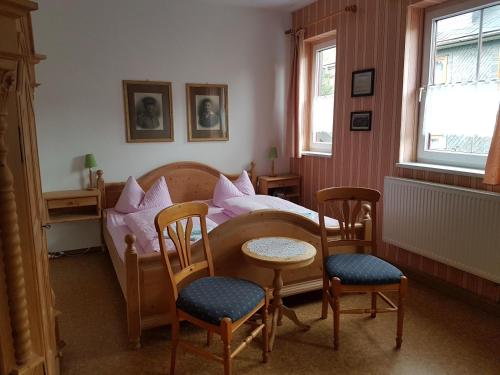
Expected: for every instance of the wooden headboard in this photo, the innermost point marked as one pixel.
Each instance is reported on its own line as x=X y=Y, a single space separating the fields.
x=186 y=180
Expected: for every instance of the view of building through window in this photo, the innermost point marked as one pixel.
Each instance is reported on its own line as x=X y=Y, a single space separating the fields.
x=465 y=67
x=323 y=97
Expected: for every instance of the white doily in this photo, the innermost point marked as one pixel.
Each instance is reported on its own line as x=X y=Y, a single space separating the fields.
x=277 y=247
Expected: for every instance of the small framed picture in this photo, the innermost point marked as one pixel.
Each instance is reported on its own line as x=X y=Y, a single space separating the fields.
x=363 y=82
x=361 y=121
x=207 y=112
x=148 y=111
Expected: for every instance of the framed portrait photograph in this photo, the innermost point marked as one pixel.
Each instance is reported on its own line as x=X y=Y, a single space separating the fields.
x=363 y=82
x=361 y=121
x=148 y=111
x=207 y=112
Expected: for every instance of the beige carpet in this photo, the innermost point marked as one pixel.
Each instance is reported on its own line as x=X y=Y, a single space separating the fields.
x=441 y=336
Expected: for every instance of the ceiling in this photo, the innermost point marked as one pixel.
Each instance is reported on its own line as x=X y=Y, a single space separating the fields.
x=284 y=5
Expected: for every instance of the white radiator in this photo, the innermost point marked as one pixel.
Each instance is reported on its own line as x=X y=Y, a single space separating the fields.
x=456 y=226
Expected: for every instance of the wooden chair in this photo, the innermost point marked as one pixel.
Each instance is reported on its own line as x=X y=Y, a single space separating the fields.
x=218 y=304
x=359 y=272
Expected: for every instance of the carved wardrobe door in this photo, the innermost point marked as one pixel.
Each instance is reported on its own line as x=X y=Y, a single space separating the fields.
x=27 y=326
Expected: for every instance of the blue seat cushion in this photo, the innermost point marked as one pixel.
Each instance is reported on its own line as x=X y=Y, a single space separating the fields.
x=361 y=269
x=212 y=299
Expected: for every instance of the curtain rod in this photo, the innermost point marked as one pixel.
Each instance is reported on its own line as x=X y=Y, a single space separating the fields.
x=347 y=9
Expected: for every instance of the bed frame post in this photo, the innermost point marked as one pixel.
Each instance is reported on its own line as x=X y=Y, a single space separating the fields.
x=133 y=296
x=366 y=220
x=102 y=190
x=101 y=187
x=253 y=175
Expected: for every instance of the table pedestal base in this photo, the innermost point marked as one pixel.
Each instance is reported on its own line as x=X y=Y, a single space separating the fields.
x=279 y=310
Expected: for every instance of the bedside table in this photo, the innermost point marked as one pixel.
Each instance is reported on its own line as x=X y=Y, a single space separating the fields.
x=72 y=205
x=283 y=186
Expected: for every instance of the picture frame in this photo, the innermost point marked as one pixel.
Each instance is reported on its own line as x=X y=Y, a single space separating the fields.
x=362 y=83
x=207 y=112
x=148 y=111
x=361 y=121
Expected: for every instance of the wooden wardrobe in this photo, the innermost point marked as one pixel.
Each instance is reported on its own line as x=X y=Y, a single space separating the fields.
x=27 y=315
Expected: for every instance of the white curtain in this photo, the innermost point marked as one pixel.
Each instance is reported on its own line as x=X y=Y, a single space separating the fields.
x=462 y=109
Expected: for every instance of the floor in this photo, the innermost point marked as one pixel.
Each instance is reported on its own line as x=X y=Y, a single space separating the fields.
x=442 y=335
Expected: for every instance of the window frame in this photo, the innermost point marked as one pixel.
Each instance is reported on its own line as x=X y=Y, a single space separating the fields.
x=315 y=47
x=432 y=15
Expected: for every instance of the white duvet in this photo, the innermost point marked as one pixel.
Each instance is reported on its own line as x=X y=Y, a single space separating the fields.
x=242 y=205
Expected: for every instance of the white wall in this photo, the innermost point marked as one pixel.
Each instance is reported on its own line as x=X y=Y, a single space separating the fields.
x=93 y=45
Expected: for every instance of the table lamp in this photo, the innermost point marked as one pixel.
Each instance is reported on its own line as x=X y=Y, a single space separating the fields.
x=90 y=163
x=273 y=155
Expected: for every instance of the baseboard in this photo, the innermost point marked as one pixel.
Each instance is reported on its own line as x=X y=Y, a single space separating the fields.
x=452 y=290
x=87 y=250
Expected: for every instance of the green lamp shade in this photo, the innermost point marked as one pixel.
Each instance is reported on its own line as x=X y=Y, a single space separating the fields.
x=90 y=161
x=273 y=153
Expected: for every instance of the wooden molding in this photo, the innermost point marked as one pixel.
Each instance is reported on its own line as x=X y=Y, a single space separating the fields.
x=425 y=3
x=9 y=237
x=17 y=8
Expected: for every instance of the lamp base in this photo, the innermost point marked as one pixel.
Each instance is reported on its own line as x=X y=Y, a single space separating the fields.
x=90 y=187
x=273 y=169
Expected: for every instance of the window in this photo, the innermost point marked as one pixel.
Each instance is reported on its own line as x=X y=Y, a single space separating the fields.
x=323 y=60
x=461 y=86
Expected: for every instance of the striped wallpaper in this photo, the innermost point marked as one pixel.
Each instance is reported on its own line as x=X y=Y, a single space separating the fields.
x=374 y=37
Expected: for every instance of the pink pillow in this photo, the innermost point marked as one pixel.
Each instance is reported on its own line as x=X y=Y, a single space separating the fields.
x=130 y=198
x=157 y=195
x=244 y=184
x=142 y=224
x=225 y=189
x=133 y=198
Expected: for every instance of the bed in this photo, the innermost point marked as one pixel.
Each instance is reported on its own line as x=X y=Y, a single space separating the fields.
x=140 y=271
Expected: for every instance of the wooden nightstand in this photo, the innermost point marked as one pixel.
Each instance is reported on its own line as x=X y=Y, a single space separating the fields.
x=72 y=205
x=284 y=186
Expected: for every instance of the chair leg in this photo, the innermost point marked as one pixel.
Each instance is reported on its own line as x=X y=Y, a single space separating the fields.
x=336 y=311
x=209 y=338
x=402 y=294
x=374 y=305
x=324 y=304
x=265 y=331
x=226 y=338
x=175 y=341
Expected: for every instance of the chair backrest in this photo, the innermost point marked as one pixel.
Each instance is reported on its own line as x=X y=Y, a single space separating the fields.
x=349 y=206
x=176 y=223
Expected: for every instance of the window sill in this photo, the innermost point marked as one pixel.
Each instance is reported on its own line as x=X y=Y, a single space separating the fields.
x=317 y=154
x=443 y=169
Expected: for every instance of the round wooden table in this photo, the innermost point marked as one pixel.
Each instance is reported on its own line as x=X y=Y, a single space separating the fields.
x=279 y=253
